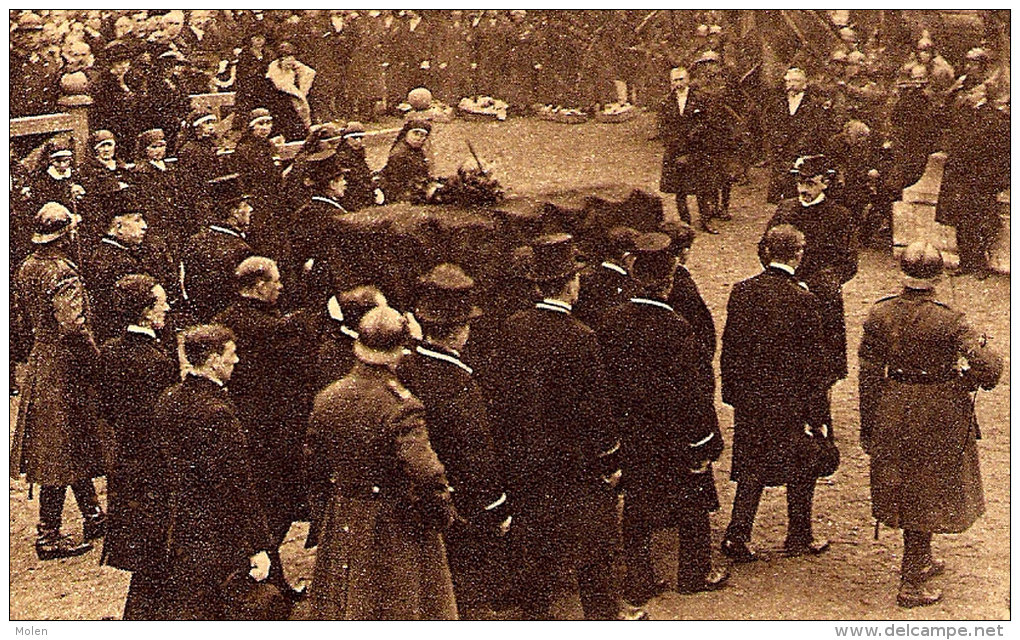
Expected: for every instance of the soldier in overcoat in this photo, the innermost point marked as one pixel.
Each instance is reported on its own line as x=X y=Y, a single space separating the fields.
x=381 y=553
x=775 y=379
x=830 y=255
x=56 y=442
x=216 y=528
x=460 y=432
x=136 y=367
x=920 y=362
x=661 y=388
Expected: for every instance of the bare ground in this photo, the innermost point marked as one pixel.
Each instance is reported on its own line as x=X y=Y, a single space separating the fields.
x=857 y=579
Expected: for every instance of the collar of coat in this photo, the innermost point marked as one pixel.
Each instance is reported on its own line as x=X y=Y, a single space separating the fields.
x=652 y=303
x=549 y=304
x=113 y=242
x=817 y=201
x=612 y=266
x=329 y=201
x=782 y=267
x=227 y=230
x=53 y=173
x=144 y=331
x=432 y=351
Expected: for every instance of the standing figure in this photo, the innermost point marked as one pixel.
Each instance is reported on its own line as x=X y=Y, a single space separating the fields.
x=292 y=81
x=776 y=382
x=136 y=367
x=558 y=440
x=381 y=553
x=684 y=297
x=216 y=529
x=405 y=178
x=662 y=387
x=198 y=165
x=56 y=442
x=795 y=122
x=917 y=418
x=361 y=186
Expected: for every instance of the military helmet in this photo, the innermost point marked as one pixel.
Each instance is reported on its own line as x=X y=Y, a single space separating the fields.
x=922 y=260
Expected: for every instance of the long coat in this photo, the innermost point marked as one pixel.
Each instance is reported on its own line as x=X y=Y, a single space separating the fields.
x=56 y=438
x=921 y=437
x=108 y=263
x=772 y=374
x=405 y=175
x=662 y=386
x=686 y=300
x=215 y=522
x=381 y=552
x=135 y=371
x=693 y=141
x=829 y=262
x=791 y=136
x=460 y=433
x=267 y=389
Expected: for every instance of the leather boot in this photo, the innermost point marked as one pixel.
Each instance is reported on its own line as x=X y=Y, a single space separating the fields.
x=50 y=544
x=94 y=526
x=916 y=594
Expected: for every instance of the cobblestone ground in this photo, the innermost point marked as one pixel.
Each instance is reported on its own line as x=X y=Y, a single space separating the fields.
x=857 y=579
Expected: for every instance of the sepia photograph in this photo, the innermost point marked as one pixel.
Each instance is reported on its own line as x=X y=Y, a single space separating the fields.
x=510 y=315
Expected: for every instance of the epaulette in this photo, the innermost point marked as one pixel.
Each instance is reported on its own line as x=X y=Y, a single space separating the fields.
x=398 y=390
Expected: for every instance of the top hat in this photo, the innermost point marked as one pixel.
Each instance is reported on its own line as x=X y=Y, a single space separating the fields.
x=555 y=257
x=446 y=296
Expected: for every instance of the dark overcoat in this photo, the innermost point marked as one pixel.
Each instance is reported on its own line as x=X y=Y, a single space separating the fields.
x=682 y=137
x=267 y=390
x=159 y=194
x=381 y=552
x=772 y=374
x=57 y=440
x=215 y=522
x=686 y=300
x=791 y=136
x=136 y=369
x=405 y=175
x=606 y=286
x=661 y=388
x=209 y=260
x=111 y=261
x=459 y=430
x=922 y=436
x=360 y=184
x=829 y=262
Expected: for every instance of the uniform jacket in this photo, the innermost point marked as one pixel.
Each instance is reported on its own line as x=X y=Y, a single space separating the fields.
x=552 y=425
x=686 y=300
x=381 y=554
x=215 y=520
x=829 y=262
x=605 y=287
x=110 y=261
x=921 y=436
x=210 y=258
x=360 y=184
x=57 y=439
x=661 y=388
x=197 y=164
x=136 y=369
x=772 y=374
x=267 y=388
x=158 y=190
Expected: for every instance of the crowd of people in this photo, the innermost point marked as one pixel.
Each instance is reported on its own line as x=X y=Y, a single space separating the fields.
x=235 y=350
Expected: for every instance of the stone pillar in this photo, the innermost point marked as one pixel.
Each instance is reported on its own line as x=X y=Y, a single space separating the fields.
x=998 y=256
x=914 y=215
x=76 y=102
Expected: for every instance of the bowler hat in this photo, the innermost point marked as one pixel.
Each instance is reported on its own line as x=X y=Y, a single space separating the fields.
x=445 y=296
x=555 y=257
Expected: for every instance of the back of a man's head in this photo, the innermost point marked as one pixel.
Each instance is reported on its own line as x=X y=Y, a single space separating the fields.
x=204 y=340
x=253 y=270
x=783 y=244
x=134 y=293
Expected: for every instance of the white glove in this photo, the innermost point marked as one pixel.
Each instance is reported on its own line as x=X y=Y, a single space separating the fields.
x=259 y=566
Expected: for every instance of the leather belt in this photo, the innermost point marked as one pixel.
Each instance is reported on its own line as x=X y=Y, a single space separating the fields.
x=920 y=377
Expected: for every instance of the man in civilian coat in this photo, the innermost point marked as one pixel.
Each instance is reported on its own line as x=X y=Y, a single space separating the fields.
x=211 y=255
x=796 y=124
x=56 y=443
x=661 y=390
x=776 y=381
x=269 y=405
x=557 y=438
x=830 y=255
x=216 y=529
x=136 y=367
x=684 y=297
x=459 y=430
x=683 y=126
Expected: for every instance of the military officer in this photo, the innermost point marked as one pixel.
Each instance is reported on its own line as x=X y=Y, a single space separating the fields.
x=661 y=386
x=917 y=417
x=381 y=552
x=459 y=430
x=56 y=442
x=211 y=255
